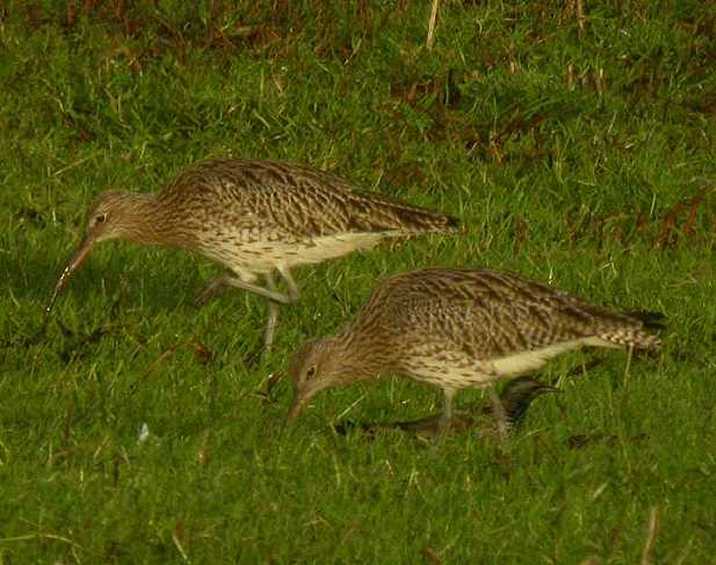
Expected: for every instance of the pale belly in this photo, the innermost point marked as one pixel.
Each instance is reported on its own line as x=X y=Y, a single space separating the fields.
x=453 y=377
x=249 y=258
x=455 y=370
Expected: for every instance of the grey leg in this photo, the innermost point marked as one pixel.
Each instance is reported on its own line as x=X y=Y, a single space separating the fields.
x=630 y=354
x=293 y=291
x=272 y=316
x=273 y=306
x=446 y=416
x=498 y=410
x=259 y=290
x=269 y=331
x=214 y=287
x=270 y=292
x=219 y=284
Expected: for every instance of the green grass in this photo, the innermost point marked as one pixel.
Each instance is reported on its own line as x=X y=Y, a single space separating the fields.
x=585 y=158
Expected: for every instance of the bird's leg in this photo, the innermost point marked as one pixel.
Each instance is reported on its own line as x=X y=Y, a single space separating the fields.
x=273 y=306
x=272 y=295
x=630 y=354
x=219 y=283
x=269 y=291
x=446 y=416
x=273 y=309
x=293 y=291
x=272 y=315
x=498 y=411
x=214 y=287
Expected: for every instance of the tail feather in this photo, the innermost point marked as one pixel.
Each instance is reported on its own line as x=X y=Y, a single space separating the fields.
x=651 y=320
x=632 y=337
x=378 y=213
x=420 y=220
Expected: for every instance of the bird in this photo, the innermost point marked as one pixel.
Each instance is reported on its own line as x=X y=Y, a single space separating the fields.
x=256 y=218
x=457 y=328
x=516 y=397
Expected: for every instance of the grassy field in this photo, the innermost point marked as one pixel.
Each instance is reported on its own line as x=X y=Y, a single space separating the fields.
x=577 y=146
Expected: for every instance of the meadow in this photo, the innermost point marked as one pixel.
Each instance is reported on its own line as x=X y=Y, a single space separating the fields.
x=574 y=140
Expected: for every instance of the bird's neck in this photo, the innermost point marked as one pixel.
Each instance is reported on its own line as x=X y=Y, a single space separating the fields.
x=361 y=356
x=152 y=222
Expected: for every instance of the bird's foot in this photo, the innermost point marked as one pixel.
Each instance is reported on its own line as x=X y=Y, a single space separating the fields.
x=211 y=290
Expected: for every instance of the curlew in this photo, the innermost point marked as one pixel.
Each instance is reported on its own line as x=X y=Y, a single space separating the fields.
x=459 y=328
x=256 y=218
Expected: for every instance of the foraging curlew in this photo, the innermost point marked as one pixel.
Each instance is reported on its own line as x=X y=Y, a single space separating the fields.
x=516 y=397
x=458 y=328
x=255 y=218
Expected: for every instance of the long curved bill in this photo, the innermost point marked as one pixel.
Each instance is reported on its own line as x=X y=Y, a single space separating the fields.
x=299 y=401
x=302 y=395
x=72 y=265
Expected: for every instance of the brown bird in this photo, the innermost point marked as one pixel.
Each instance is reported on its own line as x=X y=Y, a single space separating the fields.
x=458 y=328
x=516 y=397
x=256 y=218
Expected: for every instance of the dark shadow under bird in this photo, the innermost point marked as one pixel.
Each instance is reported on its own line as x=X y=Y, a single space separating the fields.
x=516 y=398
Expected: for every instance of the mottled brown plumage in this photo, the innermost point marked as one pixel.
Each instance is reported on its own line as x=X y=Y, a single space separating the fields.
x=458 y=328
x=255 y=218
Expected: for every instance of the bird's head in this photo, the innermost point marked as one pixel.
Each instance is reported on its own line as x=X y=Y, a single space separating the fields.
x=110 y=216
x=113 y=215
x=317 y=365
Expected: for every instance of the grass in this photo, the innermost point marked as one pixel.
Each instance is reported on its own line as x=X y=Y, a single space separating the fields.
x=576 y=150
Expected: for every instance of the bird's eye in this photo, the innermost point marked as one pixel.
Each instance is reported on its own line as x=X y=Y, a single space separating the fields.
x=100 y=218
x=311 y=372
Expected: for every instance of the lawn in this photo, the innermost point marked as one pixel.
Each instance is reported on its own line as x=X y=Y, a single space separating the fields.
x=574 y=140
